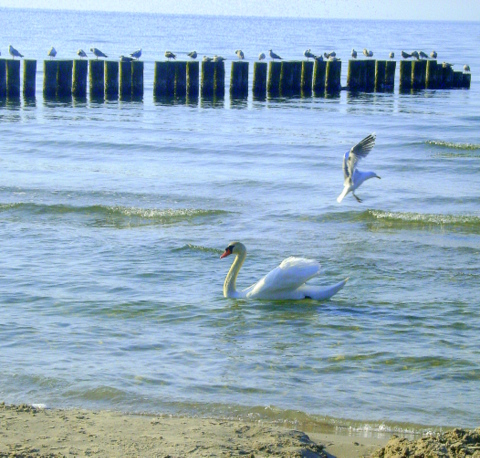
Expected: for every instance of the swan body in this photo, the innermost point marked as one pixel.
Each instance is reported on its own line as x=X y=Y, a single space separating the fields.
x=285 y=282
x=353 y=177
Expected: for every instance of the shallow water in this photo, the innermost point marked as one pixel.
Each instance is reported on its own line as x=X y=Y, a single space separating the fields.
x=113 y=217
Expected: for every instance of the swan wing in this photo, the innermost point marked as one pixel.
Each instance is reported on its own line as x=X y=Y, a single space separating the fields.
x=357 y=152
x=288 y=276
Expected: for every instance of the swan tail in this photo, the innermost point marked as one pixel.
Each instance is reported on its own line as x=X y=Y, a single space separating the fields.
x=343 y=194
x=321 y=294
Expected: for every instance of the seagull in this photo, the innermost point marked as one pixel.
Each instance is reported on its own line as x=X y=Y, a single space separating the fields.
x=126 y=59
x=192 y=55
x=240 y=54
x=327 y=55
x=405 y=55
x=391 y=55
x=98 y=53
x=309 y=54
x=218 y=58
x=416 y=55
x=13 y=52
x=354 y=177
x=169 y=55
x=367 y=53
x=354 y=53
x=273 y=55
x=207 y=59
x=136 y=54
x=433 y=54
x=466 y=68
x=261 y=56
x=52 y=53
x=423 y=55
x=319 y=58
x=81 y=53
x=446 y=65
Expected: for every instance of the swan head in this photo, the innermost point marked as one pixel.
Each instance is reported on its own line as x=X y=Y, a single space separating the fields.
x=236 y=248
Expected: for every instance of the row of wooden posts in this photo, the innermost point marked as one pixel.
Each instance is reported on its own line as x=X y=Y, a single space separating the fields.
x=111 y=79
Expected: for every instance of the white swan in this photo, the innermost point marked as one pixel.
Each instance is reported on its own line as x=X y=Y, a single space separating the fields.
x=353 y=177
x=287 y=281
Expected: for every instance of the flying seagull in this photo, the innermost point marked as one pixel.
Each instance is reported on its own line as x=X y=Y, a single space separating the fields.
x=240 y=54
x=169 y=55
x=81 y=53
x=97 y=52
x=52 y=53
x=353 y=177
x=273 y=55
x=192 y=55
x=136 y=54
x=13 y=52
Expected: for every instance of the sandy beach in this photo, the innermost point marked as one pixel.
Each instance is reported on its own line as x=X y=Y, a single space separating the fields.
x=26 y=431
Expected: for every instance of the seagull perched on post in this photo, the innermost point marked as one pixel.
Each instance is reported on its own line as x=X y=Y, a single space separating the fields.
x=240 y=54
x=218 y=58
x=98 y=53
x=136 y=54
x=354 y=53
x=466 y=68
x=353 y=177
x=405 y=55
x=169 y=55
x=367 y=53
x=13 y=52
x=423 y=55
x=433 y=54
x=308 y=54
x=329 y=54
x=261 y=56
x=415 y=54
x=192 y=55
x=391 y=55
x=81 y=53
x=52 y=53
x=273 y=55
x=126 y=59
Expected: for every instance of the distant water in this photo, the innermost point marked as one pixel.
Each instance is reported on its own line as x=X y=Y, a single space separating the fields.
x=113 y=217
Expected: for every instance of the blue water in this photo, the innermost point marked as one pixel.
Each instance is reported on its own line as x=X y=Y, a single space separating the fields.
x=113 y=216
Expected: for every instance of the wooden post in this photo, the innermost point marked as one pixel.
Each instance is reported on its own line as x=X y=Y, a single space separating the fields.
x=239 y=79
x=458 y=79
x=467 y=78
x=137 y=78
x=111 y=79
x=64 y=78
x=50 y=68
x=29 y=78
x=273 y=83
x=80 y=73
x=380 y=75
x=319 y=77
x=193 y=72
x=356 y=76
x=370 y=67
x=307 y=77
x=447 y=77
x=431 y=75
x=286 y=78
x=3 y=78
x=260 y=79
x=181 y=79
x=96 y=78
x=160 y=78
x=405 y=75
x=13 y=78
x=125 y=79
x=390 y=75
x=219 y=79
x=208 y=78
x=333 y=76
x=419 y=70
x=296 y=76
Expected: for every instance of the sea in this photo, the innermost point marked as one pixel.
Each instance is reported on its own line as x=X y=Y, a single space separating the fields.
x=114 y=214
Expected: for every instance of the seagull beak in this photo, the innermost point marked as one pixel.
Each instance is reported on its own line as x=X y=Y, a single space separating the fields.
x=225 y=254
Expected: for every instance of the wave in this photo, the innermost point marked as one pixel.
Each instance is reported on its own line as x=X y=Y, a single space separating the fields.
x=468 y=150
x=452 y=145
x=116 y=216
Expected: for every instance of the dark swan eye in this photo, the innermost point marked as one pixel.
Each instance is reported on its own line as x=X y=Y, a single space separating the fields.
x=230 y=248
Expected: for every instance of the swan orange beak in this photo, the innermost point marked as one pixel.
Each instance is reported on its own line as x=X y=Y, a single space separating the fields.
x=225 y=254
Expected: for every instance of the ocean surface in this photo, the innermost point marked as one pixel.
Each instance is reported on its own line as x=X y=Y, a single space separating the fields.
x=113 y=217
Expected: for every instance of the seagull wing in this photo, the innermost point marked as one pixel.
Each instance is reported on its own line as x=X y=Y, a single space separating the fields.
x=357 y=152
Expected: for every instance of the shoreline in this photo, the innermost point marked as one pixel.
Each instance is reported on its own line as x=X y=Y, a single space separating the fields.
x=28 y=431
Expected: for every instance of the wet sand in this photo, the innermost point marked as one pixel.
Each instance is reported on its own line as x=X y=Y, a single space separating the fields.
x=31 y=432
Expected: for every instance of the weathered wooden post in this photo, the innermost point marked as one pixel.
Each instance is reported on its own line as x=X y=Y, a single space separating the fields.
x=193 y=72
x=29 y=78
x=419 y=70
x=390 y=75
x=137 y=78
x=180 y=79
x=259 y=87
x=307 y=77
x=431 y=75
x=380 y=75
x=286 y=78
x=50 y=68
x=111 y=79
x=273 y=83
x=467 y=78
x=3 y=78
x=79 y=82
x=333 y=76
x=447 y=77
x=458 y=79
x=64 y=78
x=239 y=79
x=96 y=78
x=219 y=79
x=356 y=75
x=161 y=79
x=319 y=77
x=13 y=78
x=125 y=79
x=296 y=76
x=370 y=67
x=208 y=78
x=405 y=75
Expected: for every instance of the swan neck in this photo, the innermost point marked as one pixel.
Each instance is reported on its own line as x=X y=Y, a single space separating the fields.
x=229 y=287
